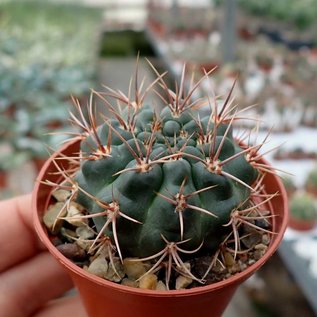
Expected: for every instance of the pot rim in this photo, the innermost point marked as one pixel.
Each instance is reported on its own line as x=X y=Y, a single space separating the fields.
x=236 y=278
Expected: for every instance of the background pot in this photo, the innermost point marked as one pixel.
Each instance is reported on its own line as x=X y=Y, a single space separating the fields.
x=104 y=298
x=3 y=179
x=301 y=224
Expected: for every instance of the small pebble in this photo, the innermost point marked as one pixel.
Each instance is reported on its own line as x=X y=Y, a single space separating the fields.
x=260 y=250
x=84 y=244
x=218 y=268
x=182 y=282
x=187 y=265
x=251 y=261
x=50 y=218
x=243 y=266
x=243 y=257
x=85 y=232
x=258 y=254
x=61 y=194
x=229 y=260
x=148 y=281
x=128 y=282
x=133 y=269
x=74 y=214
x=252 y=239
x=235 y=268
x=263 y=223
x=72 y=251
x=260 y=246
x=70 y=235
x=116 y=273
x=99 y=266
x=266 y=239
x=161 y=286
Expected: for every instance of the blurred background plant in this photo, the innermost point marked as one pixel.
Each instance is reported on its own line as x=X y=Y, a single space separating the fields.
x=298 y=13
x=303 y=212
x=48 y=52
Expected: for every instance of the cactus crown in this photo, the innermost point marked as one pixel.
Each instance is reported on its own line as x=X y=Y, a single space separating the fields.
x=164 y=185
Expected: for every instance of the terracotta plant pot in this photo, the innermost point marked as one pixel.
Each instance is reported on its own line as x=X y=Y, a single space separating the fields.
x=3 y=179
x=300 y=224
x=311 y=189
x=105 y=298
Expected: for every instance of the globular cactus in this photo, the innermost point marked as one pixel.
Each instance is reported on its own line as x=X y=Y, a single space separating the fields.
x=165 y=184
x=303 y=206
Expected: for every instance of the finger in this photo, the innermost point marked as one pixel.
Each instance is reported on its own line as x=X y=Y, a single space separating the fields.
x=18 y=240
x=66 y=306
x=31 y=284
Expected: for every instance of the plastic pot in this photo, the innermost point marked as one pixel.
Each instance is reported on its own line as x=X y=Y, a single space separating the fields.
x=301 y=224
x=3 y=179
x=105 y=298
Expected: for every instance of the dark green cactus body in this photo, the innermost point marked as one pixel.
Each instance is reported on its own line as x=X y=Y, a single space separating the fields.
x=181 y=161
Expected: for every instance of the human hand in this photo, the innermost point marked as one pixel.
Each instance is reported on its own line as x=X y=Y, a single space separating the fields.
x=31 y=281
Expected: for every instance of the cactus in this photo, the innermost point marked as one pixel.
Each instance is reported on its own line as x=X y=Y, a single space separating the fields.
x=165 y=185
x=303 y=206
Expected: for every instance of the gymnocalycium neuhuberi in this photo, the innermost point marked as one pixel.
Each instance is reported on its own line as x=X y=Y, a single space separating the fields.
x=165 y=185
